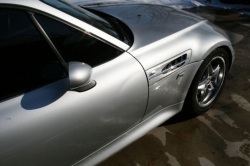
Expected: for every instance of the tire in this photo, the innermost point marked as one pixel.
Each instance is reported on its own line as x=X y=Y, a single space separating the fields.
x=208 y=82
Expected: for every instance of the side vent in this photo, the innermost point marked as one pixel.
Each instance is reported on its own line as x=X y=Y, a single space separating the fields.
x=169 y=66
x=174 y=64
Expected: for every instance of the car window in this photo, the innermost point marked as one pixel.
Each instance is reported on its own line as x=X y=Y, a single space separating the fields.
x=83 y=15
x=74 y=45
x=27 y=62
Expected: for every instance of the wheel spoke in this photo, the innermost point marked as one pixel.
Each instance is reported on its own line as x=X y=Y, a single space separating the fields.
x=205 y=76
x=202 y=85
x=210 y=69
x=209 y=93
x=216 y=74
x=203 y=96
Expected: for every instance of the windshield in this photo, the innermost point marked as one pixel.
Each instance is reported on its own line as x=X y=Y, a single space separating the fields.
x=83 y=15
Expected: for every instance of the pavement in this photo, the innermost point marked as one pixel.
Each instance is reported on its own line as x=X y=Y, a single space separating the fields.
x=220 y=137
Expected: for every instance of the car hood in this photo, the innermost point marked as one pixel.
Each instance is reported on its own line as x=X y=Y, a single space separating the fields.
x=149 y=23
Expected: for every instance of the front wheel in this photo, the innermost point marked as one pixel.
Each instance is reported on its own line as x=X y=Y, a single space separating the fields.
x=208 y=82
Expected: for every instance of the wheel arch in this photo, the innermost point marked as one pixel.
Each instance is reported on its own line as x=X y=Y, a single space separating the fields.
x=231 y=55
x=226 y=45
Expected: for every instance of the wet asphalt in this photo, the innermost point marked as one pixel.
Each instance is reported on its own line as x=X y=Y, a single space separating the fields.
x=220 y=137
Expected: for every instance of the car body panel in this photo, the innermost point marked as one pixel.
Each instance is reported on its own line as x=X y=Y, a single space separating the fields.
x=59 y=127
x=161 y=32
x=149 y=23
x=131 y=136
x=67 y=127
x=200 y=38
x=171 y=89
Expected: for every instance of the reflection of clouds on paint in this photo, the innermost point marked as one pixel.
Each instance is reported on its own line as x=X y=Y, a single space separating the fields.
x=241 y=101
x=172 y=160
x=233 y=149
x=205 y=162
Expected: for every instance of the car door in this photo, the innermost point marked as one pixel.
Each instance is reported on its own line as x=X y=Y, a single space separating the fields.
x=42 y=121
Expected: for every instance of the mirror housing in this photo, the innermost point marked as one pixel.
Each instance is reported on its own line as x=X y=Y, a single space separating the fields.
x=79 y=76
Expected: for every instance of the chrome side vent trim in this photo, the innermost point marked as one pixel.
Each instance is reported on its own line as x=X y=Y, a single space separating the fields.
x=178 y=62
x=166 y=68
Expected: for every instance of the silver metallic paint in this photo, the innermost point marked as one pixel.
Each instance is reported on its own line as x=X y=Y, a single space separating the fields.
x=199 y=37
x=171 y=89
x=131 y=136
x=57 y=126
x=79 y=74
x=150 y=23
x=60 y=127
x=161 y=33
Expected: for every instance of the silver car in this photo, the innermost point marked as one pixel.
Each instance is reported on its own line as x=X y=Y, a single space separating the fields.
x=79 y=83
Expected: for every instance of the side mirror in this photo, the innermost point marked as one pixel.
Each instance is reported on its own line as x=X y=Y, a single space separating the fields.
x=79 y=76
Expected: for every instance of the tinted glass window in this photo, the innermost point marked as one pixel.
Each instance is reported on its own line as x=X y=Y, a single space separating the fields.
x=75 y=45
x=83 y=15
x=27 y=61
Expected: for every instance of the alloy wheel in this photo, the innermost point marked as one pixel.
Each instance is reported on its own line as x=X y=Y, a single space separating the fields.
x=211 y=81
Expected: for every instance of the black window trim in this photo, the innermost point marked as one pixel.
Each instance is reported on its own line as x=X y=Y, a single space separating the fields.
x=46 y=37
